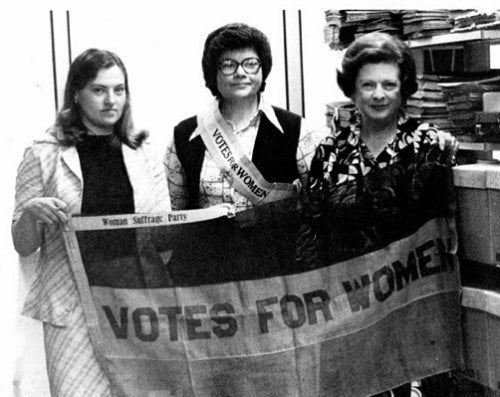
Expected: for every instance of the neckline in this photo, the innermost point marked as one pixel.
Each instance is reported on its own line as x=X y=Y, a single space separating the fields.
x=252 y=122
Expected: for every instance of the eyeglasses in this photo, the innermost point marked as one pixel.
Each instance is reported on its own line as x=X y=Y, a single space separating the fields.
x=230 y=66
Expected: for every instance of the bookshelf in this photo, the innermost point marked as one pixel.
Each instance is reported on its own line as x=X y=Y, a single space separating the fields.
x=457 y=40
x=480 y=146
x=457 y=54
x=492 y=36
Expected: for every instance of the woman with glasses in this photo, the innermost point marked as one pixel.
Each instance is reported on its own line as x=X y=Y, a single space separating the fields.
x=241 y=150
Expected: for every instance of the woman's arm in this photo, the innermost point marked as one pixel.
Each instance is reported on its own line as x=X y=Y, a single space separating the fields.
x=176 y=179
x=432 y=189
x=27 y=229
x=32 y=210
x=309 y=140
x=437 y=146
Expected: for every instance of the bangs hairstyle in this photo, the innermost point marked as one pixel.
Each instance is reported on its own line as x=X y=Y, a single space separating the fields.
x=69 y=128
x=378 y=47
x=235 y=36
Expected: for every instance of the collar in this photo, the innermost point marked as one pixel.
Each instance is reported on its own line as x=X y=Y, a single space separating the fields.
x=406 y=127
x=265 y=108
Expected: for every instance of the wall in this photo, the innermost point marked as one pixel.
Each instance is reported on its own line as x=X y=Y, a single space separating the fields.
x=26 y=81
x=162 y=48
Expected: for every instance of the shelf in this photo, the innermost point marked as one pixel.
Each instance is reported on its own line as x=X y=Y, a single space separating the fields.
x=479 y=146
x=453 y=38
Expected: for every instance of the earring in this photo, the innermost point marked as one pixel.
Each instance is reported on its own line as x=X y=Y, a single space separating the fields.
x=75 y=100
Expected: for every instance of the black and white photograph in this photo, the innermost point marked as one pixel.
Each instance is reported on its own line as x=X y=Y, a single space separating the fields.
x=282 y=198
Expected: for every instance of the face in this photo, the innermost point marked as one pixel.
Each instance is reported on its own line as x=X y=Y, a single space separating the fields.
x=102 y=100
x=239 y=85
x=377 y=92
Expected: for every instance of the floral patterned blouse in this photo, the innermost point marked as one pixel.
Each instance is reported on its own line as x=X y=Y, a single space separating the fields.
x=344 y=157
x=357 y=202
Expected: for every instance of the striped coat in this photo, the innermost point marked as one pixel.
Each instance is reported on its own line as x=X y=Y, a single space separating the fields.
x=51 y=170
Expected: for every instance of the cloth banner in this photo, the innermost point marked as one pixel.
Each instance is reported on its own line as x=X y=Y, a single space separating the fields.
x=197 y=303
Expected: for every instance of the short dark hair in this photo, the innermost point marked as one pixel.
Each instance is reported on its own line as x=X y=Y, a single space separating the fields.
x=234 y=36
x=378 y=47
x=69 y=127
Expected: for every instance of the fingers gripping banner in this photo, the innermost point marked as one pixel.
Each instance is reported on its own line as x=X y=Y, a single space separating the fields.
x=196 y=303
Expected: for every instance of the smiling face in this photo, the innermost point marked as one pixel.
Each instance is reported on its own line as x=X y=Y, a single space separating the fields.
x=377 y=93
x=102 y=100
x=240 y=85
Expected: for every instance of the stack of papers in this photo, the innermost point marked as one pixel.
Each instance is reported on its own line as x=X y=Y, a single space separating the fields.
x=388 y=22
x=418 y=24
x=338 y=32
x=474 y=19
x=465 y=99
x=344 y=26
x=429 y=104
x=339 y=114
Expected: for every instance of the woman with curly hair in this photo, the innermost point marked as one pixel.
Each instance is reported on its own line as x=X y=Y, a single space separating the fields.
x=242 y=150
x=380 y=178
x=374 y=180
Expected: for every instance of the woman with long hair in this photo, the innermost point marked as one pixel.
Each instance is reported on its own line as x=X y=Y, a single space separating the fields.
x=92 y=161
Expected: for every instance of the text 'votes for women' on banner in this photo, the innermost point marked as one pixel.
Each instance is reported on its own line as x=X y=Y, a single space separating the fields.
x=196 y=303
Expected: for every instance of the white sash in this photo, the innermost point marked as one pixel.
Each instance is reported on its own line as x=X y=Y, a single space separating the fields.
x=229 y=156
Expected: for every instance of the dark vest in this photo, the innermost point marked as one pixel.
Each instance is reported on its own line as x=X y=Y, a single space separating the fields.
x=274 y=153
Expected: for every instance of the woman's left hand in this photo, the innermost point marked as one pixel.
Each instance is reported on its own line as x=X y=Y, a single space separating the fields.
x=448 y=145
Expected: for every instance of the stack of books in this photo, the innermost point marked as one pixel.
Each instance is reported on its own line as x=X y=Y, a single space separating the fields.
x=344 y=26
x=465 y=99
x=429 y=104
x=474 y=19
x=339 y=114
x=388 y=21
x=338 y=32
x=418 y=24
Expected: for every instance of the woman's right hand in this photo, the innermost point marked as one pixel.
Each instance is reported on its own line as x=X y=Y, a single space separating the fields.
x=48 y=210
x=26 y=231
x=448 y=146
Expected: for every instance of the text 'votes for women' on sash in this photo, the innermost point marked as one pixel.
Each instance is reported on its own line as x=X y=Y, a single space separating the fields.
x=197 y=303
x=228 y=154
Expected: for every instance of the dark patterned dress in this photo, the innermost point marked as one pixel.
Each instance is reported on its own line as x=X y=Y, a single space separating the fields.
x=357 y=203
